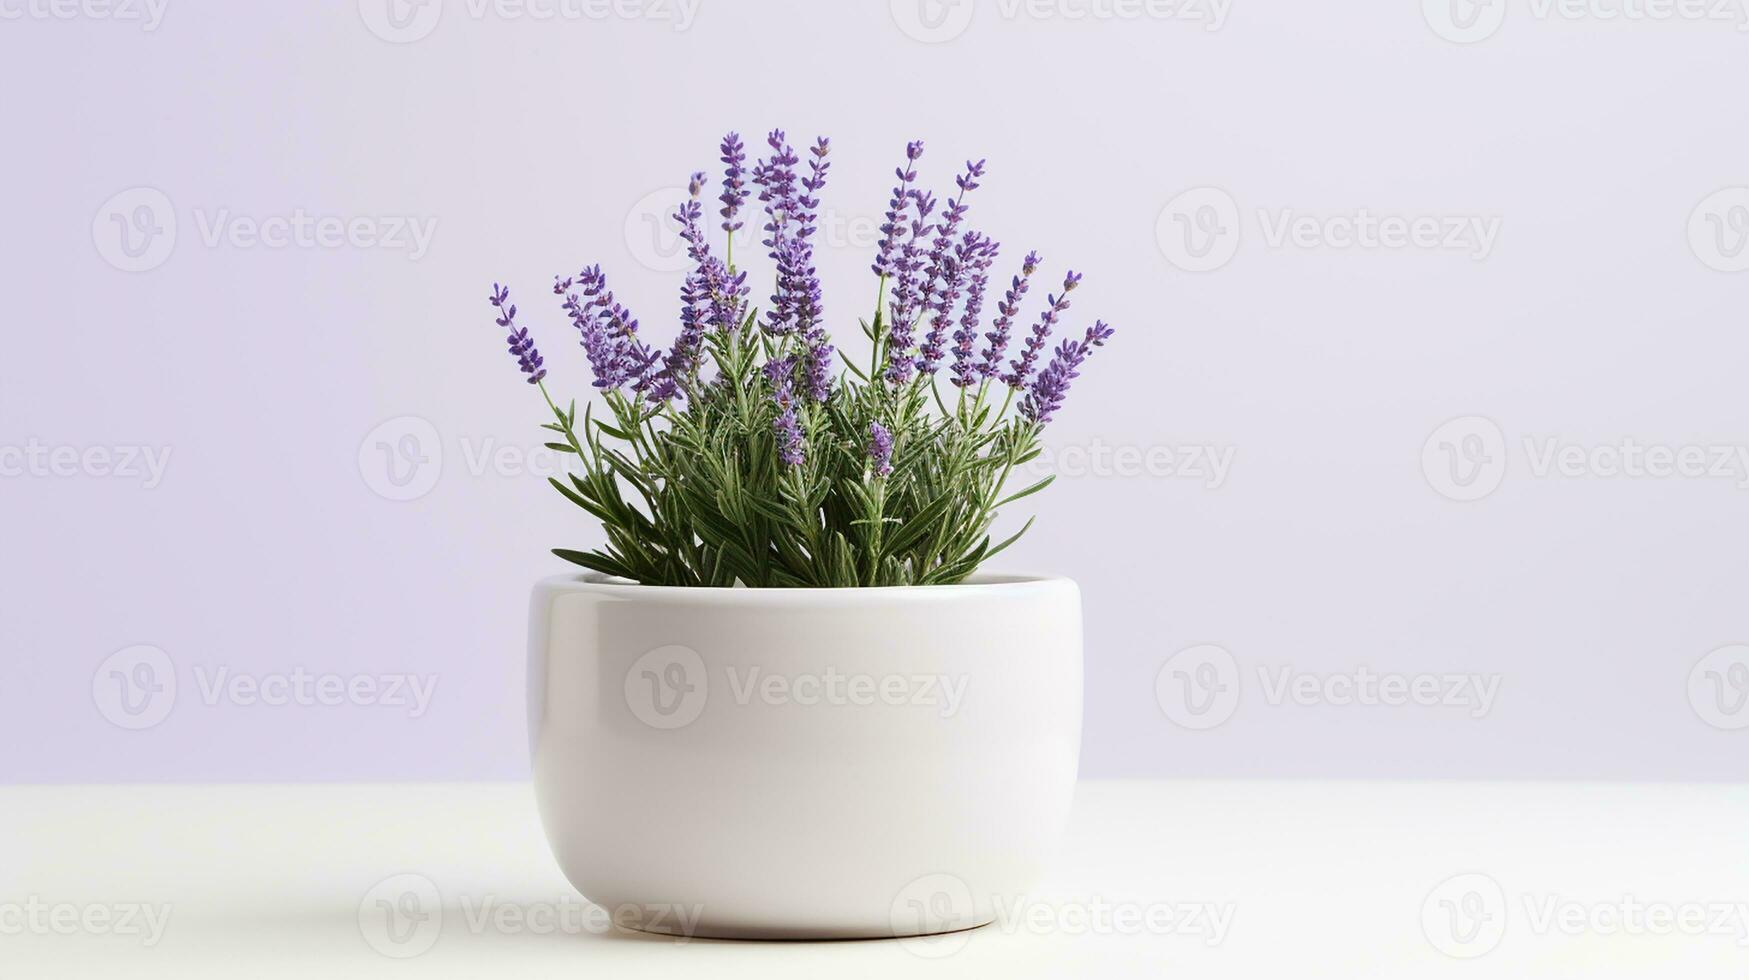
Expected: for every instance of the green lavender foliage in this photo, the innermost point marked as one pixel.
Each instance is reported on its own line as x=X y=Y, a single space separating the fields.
x=692 y=492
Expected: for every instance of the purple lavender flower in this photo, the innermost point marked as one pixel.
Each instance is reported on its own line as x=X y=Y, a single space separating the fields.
x=616 y=355
x=1021 y=368
x=894 y=226
x=521 y=344
x=966 y=337
x=807 y=204
x=880 y=449
x=971 y=258
x=791 y=446
x=728 y=295
x=938 y=264
x=906 y=307
x=603 y=358
x=1007 y=309
x=1053 y=382
x=681 y=362
x=776 y=177
x=687 y=214
x=817 y=364
x=798 y=291
x=734 y=187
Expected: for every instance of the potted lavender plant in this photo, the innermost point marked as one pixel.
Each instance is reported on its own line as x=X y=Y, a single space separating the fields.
x=782 y=701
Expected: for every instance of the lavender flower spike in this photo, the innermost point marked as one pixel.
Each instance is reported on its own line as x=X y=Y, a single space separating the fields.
x=1021 y=367
x=687 y=215
x=946 y=271
x=681 y=363
x=616 y=355
x=521 y=344
x=1006 y=311
x=906 y=308
x=791 y=447
x=880 y=449
x=894 y=226
x=1053 y=382
x=776 y=178
x=807 y=203
x=966 y=337
x=734 y=186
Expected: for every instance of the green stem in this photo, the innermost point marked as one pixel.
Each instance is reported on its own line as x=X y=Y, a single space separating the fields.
x=874 y=367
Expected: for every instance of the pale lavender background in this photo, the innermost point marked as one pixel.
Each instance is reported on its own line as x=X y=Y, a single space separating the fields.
x=529 y=142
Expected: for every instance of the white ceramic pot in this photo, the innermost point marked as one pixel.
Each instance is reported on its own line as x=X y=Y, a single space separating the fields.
x=804 y=763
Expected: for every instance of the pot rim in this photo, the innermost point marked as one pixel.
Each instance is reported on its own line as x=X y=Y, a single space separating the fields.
x=980 y=583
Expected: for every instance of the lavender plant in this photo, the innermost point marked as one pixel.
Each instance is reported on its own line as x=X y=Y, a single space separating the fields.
x=744 y=454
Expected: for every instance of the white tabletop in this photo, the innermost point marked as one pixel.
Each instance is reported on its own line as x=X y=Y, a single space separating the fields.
x=1191 y=879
